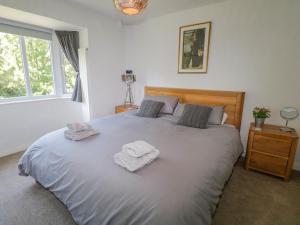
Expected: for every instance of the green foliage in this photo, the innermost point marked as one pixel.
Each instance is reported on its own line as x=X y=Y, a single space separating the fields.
x=12 y=82
x=38 y=54
x=261 y=112
x=70 y=76
x=40 y=66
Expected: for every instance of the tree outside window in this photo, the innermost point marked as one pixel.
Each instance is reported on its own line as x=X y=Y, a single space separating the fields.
x=12 y=83
x=70 y=76
x=38 y=54
x=26 y=66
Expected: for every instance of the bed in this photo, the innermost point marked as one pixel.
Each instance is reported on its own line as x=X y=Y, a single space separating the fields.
x=182 y=187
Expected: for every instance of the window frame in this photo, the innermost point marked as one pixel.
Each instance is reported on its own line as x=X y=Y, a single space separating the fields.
x=56 y=57
x=63 y=77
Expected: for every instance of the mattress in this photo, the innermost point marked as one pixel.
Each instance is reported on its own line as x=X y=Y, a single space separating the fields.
x=182 y=187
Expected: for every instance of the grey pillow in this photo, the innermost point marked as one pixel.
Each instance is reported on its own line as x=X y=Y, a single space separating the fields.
x=215 y=117
x=170 y=102
x=195 y=116
x=150 y=108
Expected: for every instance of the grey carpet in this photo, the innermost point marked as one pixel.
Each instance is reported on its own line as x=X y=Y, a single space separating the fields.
x=250 y=198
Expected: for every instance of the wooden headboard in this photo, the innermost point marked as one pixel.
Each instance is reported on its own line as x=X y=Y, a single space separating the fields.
x=232 y=101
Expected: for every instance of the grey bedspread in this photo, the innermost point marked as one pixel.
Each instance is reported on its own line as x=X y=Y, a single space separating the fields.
x=182 y=187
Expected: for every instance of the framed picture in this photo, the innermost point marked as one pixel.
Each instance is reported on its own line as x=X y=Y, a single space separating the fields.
x=194 y=48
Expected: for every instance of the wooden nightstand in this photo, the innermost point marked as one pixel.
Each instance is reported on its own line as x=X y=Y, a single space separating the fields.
x=125 y=108
x=271 y=150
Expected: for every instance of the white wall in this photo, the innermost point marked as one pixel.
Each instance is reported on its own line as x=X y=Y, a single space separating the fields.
x=22 y=123
x=254 y=48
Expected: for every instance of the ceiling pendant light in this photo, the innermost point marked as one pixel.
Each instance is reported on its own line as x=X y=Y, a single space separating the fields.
x=131 y=7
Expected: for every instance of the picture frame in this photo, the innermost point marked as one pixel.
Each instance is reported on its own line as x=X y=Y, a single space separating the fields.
x=194 y=41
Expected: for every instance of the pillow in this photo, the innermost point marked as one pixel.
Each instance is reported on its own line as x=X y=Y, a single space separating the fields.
x=178 y=110
x=169 y=102
x=195 y=116
x=215 y=117
x=150 y=108
x=225 y=116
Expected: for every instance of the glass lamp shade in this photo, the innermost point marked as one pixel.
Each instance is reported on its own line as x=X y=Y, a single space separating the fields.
x=131 y=7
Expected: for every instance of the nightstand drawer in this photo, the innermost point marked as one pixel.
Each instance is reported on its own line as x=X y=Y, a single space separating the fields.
x=271 y=145
x=268 y=163
x=120 y=110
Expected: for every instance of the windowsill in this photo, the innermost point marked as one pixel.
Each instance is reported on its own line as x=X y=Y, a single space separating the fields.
x=18 y=100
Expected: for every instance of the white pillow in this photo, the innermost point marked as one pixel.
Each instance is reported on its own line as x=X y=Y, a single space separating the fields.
x=225 y=116
x=179 y=110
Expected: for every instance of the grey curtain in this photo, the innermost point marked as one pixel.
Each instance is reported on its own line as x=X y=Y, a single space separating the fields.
x=69 y=42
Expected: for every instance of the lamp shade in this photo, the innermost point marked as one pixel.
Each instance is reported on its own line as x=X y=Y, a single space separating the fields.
x=128 y=78
x=131 y=7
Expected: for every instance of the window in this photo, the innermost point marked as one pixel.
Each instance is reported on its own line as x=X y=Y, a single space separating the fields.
x=32 y=63
x=12 y=82
x=69 y=76
x=25 y=66
x=38 y=54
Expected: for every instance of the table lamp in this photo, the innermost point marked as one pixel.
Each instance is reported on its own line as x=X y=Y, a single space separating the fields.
x=129 y=78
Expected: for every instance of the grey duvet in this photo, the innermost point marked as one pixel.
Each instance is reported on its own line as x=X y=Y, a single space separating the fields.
x=182 y=187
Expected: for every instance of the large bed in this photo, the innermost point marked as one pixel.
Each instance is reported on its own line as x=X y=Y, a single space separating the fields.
x=182 y=187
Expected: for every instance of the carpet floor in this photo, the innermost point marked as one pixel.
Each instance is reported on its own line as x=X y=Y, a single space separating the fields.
x=249 y=198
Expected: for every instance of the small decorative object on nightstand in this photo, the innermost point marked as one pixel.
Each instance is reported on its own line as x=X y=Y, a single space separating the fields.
x=260 y=115
x=288 y=113
x=271 y=150
x=125 y=108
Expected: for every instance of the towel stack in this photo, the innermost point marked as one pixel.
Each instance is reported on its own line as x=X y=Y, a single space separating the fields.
x=136 y=155
x=79 y=131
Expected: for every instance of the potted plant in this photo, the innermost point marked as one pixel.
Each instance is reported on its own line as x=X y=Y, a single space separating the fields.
x=260 y=115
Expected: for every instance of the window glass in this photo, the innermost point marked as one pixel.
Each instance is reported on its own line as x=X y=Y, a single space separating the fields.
x=39 y=66
x=12 y=83
x=70 y=76
x=26 y=64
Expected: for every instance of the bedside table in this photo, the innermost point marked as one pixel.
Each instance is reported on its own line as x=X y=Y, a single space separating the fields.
x=271 y=150
x=125 y=108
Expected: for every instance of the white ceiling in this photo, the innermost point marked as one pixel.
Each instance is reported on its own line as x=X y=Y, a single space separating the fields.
x=8 y=13
x=155 y=8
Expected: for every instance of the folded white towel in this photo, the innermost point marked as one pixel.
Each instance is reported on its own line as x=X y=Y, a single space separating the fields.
x=138 y=148
x=77 y=136
x=132 y=163
x=77 y=127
